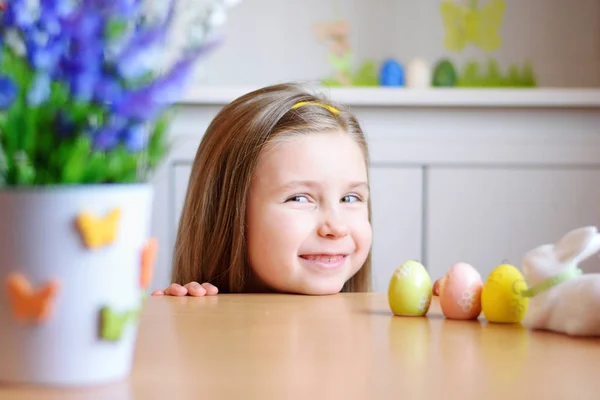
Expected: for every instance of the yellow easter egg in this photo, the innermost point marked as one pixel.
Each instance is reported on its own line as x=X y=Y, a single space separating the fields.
x=409 y=291
x=501 y=299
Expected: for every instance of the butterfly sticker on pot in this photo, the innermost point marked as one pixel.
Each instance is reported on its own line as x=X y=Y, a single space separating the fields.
x=29 y=304
x=113 y=322
x=466 y=24
x=148 y=259
x=98 y=231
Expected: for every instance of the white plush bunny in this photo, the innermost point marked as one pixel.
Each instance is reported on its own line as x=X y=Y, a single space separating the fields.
x=561 y=299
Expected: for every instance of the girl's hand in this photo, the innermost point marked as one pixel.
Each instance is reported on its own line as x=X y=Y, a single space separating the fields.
x=191 y=289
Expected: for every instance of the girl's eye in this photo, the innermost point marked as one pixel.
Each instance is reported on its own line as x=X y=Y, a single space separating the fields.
x=350 y=198
x=298 y=198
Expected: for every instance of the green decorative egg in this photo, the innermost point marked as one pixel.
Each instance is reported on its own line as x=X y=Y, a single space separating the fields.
x=444 y=74
x=410 y=290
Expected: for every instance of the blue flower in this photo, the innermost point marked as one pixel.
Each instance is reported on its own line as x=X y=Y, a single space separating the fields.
x=43 y=51
x=107 y=90
x=141 y=54
x=60 y=8
x=111 y=7
x=136 y=137
x=19 y=14
x=8 y=92
x=146 y=103
x=39 y=91
x=50 y=24
x=143 y=50
x=82 y=85
x=107 y=137
x=84 y=25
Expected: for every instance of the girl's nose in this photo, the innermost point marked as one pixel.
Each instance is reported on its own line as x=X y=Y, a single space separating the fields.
x=333 y=227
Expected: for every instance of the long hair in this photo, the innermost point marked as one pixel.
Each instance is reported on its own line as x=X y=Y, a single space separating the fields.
x=210 y=244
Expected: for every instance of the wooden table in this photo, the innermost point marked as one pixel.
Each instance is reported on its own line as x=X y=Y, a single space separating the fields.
x=347 y=346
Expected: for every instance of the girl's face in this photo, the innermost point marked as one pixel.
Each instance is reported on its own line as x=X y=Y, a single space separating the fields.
x=308 y=227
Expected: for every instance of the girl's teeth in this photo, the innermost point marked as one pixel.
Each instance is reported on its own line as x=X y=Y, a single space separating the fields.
x=326 y=259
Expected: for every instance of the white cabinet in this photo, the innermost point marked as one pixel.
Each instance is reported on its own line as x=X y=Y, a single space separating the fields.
x=486 y=215
x=396 y=219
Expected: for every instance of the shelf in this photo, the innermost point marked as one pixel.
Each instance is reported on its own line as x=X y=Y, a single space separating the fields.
x=431 y=97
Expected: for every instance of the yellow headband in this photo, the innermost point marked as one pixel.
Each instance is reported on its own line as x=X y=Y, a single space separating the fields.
x=314 y=103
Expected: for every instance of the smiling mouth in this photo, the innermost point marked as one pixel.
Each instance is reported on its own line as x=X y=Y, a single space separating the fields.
x=325 y=261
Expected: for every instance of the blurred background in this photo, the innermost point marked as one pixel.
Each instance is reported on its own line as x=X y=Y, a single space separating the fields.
x=483 y=117
x=267 y=41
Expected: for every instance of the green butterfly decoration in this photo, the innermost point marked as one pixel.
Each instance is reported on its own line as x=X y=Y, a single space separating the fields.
x=113 y=323
x=477 y=25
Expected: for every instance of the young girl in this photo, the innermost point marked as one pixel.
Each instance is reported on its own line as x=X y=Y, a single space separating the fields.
x=278 y=200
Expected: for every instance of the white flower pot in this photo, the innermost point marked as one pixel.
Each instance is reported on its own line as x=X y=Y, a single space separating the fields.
x=41 y=241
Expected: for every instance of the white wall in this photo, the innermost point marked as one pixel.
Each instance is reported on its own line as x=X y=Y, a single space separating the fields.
x=267 y=41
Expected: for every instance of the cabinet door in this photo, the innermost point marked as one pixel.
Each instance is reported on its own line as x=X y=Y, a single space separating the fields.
x=485 y=216
x=397 y=205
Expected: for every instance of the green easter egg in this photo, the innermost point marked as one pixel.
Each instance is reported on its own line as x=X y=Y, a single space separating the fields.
x=444 y=74
x=410 y=290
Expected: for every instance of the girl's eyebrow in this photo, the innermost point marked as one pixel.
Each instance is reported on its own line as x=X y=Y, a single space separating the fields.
x=296 y=183
x=313 y=184
x=361 y=184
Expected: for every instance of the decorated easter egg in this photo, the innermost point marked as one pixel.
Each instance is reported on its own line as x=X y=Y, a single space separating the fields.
x=418 y=74
x=409 y=291
x=391 y=73
x=501 y=298
x=460 y=292
x=444 y=74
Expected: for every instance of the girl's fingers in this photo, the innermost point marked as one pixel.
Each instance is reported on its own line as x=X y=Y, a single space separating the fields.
x=176 y=290
x=195 y=289
x=192 y=289
x=211 y=289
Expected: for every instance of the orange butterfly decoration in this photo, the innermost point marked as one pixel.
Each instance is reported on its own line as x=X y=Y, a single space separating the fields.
x=27 y=303
x=98 y=231
x=148 y=259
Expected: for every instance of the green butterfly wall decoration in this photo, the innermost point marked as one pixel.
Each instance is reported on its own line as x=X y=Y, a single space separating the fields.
x=479 y=26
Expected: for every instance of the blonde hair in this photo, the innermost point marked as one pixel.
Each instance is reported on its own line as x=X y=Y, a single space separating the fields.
x=210 y=244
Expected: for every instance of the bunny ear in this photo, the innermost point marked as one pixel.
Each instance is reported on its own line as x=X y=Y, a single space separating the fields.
x=576 y=245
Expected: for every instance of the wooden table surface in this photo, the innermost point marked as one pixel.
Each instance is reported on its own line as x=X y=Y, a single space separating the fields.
x=346 y=346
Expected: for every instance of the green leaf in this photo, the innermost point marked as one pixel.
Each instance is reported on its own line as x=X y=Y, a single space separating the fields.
x=45 y=141
x=3 y=165
x=13 y=127
x=96 y=168
x=76 y=162
x=115 y=28
x=122 y=166
x=29 y=131
x=44 y=177
x=23 y=171
x=158 y=146
x=114 y=165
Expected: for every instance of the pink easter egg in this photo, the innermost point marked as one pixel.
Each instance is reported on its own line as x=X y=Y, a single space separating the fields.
x=460 y=292
x=436 y=287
